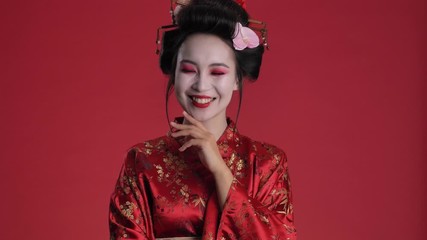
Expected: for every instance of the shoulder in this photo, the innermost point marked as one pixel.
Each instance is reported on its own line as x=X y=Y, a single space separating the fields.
x=147 y=152
x=263 y=152
x=262 y=148
x=158 y=144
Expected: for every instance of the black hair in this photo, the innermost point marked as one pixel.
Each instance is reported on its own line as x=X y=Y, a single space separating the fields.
x=216 y=17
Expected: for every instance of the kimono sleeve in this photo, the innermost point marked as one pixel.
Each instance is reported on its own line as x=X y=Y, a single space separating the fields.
x=262 y=207
x=129 y=216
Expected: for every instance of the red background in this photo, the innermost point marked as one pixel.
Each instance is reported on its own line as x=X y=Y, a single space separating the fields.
x=343 y=91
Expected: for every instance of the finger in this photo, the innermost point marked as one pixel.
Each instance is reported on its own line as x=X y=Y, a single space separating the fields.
x=189 y=143
x=188 y=132
x=180 y=126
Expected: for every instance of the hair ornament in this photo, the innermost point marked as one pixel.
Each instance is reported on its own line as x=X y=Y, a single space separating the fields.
x=244 y=37
x=242 y=3
x=176 y=6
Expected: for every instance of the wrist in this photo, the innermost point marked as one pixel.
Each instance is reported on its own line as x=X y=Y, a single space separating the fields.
x=223 y=172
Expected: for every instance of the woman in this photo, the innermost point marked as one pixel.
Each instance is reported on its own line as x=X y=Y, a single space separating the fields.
x=204 y=180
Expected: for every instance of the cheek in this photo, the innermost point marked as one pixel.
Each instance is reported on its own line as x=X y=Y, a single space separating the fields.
x=226 y=88
x=181 y=83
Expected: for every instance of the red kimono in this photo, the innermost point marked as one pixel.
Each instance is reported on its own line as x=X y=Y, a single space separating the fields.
x=163 y=193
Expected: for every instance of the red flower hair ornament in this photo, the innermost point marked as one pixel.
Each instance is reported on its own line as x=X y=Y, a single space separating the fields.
x=242 y=3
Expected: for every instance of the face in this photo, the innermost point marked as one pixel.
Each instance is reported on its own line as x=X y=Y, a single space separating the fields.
x=205 y=77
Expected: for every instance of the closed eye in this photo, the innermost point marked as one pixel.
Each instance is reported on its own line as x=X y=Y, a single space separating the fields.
x=217 y=73
x=184 y=70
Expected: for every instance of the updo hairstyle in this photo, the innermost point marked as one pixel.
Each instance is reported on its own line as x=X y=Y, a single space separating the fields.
x=216 y=17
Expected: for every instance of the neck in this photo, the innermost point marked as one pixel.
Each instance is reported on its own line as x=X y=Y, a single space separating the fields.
x=216 y=128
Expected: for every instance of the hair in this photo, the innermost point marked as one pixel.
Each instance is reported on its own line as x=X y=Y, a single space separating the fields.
x=218 y=18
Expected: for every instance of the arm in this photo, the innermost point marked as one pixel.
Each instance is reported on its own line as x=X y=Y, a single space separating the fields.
x=223 y=180
x=200 y=137
x=129 y=216
x=262 y=210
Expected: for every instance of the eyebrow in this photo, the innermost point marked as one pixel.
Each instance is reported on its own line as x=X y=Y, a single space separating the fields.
x=210 y=65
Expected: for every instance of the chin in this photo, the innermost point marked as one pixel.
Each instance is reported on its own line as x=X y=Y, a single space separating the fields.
x=207 y=116
x=199 y=116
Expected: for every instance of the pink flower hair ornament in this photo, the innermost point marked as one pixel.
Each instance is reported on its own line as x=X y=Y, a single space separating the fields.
x=244 y=37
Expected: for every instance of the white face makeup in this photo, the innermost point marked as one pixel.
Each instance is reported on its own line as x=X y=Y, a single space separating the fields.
x=205 y=77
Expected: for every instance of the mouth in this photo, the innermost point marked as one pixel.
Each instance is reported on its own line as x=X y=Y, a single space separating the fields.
x=201 y=101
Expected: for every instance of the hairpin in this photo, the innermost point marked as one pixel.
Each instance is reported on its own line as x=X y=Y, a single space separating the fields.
x=162 y=29
x=244 y=36
x=262 y=28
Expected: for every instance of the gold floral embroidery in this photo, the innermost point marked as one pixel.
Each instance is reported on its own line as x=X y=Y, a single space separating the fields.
x=244 y=218
x=164 y=205
x=240 y=164
x=254 y=148
x=174 y=163
x=160 y=173
x=199 y=200
x=289 y=229
x=124 y=184
x=276 y=159
x=231 y=134
x=264 y=219
x=279 y=192
x=127 y=184
x=127 y=209
x=230 y=162
x=148 y=145
x=148 y=151
x=290 y=209
x=161 y=145
x=223 y=147
x=285 y=177
x=210 y=236
x=184 y=192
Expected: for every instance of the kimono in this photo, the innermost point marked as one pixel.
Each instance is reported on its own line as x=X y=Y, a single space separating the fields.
x=164 y=193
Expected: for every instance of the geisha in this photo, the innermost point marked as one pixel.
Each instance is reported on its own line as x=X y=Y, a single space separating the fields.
x=205 y=180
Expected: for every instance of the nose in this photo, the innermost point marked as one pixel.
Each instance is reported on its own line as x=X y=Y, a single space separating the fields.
x=201 y=82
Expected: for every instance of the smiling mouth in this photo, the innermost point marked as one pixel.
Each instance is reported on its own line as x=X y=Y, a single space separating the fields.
x=201 y=101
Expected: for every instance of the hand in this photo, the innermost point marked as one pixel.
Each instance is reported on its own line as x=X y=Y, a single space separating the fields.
x=198 y=136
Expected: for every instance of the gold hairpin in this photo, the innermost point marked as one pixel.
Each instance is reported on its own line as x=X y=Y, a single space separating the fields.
x=162 y=29
x=262 y=29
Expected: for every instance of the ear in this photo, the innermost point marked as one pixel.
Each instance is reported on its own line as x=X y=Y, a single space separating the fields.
x=236 y=85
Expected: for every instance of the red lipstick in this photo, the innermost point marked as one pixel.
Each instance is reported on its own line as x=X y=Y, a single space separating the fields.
x=201 y=101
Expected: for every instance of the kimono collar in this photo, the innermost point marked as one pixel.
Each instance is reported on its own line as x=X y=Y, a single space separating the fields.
x=230 y=138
